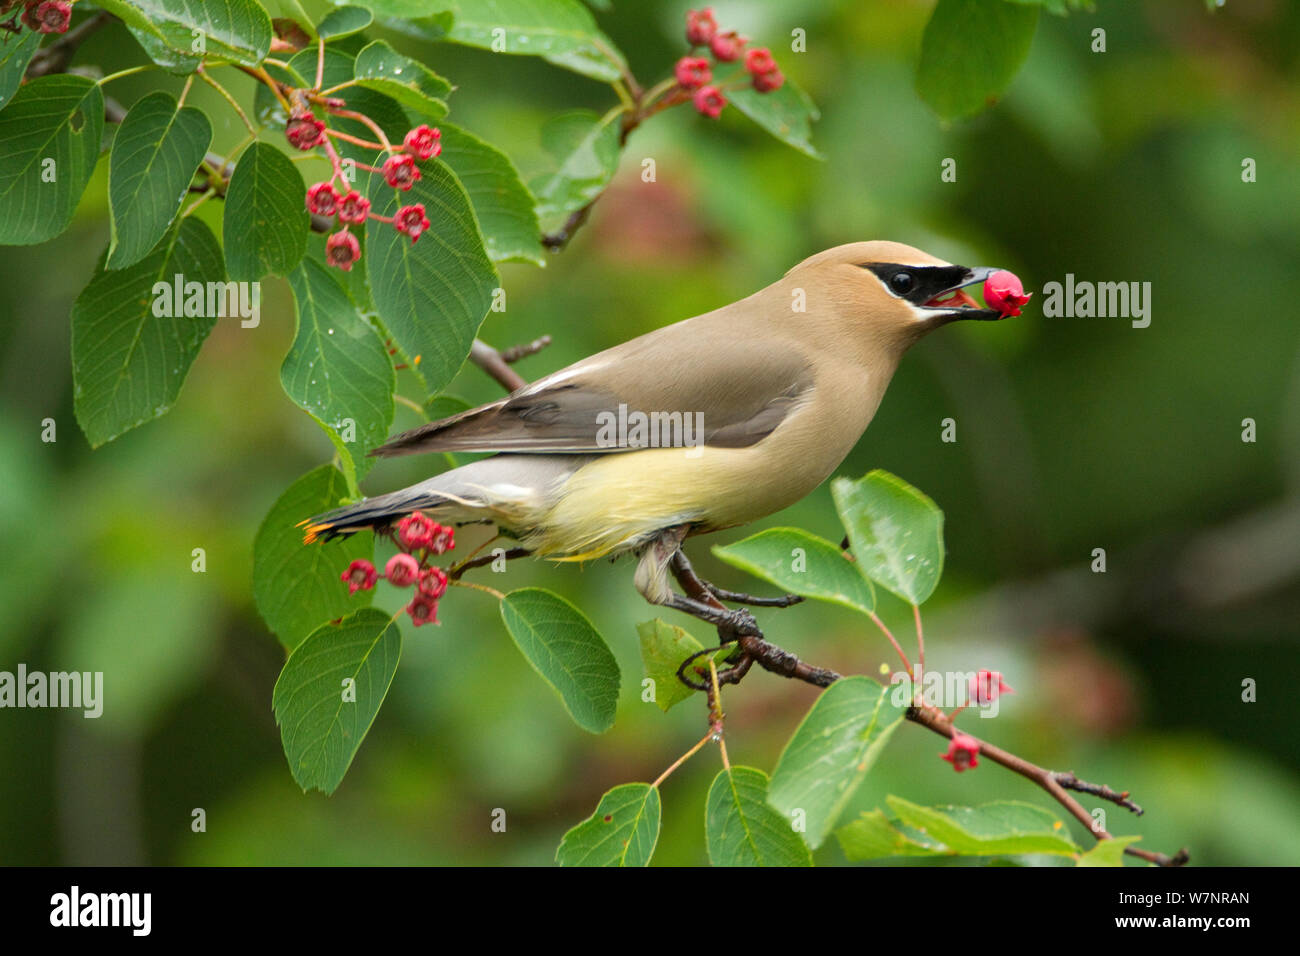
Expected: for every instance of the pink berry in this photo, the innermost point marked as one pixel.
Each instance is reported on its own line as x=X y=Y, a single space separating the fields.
x=50 y=16
x=987 y=686
x=360 y=576
x=304 y=131
x=433 y=582
x=401 y=172
x=342 y=249
x=759 y=60
x=700 y=26
x=415 y=530
x=1003 y=291
x=411 y=220
x=322 y=200
x=353 y=207
x=693 y=72
x=423 y=142
x=726 y=47
x=773 y=79
x=709 y=101
x=963 y=752
x=402 y=570
x=423 y=609
x=442 y=539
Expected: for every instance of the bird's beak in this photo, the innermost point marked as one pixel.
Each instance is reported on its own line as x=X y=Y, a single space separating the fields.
x=953 y=303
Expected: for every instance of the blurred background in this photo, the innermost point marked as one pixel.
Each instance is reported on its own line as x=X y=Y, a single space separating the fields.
x=1073 y=434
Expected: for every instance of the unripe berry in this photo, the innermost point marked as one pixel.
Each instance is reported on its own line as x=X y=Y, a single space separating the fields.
x=342 y=249
x=987 y=686
x=700 y=26
x=304 y=131
x=401 y=172
x=963 y=751
x=1003 y=291
x=360 y=576
x=759 y=60
x=50 y=16
x=441 y=539
x=709 y=101
x=322 y=200
x=423 y=142
x=411 y=220
x=726 y=47
x=353 y=207
x=402 y=570
x=693 y=72
x=769 y=81
x=433 y=582
x=414 y=531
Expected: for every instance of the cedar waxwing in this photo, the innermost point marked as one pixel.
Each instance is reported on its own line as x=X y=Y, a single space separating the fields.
x=706 y=424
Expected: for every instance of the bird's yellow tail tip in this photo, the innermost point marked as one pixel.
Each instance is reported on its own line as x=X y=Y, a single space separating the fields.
x=313 y=530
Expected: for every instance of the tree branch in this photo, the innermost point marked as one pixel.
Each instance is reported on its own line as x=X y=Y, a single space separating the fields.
x=493 y=362
x=54 y=58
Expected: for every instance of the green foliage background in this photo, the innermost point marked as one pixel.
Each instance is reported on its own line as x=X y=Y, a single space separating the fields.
x=1073 y=434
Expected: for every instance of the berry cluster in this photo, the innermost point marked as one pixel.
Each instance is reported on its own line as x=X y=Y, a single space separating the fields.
x=695 y=73
x=420 y=538
x=342 y=249
x=42 y=16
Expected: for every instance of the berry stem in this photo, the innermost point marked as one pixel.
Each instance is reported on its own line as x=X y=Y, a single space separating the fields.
x=363 y=118
x=127 y=72
x=478 y=587
x=353 y=139
x=682 y=759
x=225 y=94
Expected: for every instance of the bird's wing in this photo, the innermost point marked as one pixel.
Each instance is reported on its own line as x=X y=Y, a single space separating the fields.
x=734 y=390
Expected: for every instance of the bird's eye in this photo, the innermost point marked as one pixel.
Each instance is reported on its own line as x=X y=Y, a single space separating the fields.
x=902 y=282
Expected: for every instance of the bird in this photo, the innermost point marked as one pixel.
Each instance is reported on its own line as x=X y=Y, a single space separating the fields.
x=706 y=424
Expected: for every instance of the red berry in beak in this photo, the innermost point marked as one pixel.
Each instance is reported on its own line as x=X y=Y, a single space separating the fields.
x=1003 y=291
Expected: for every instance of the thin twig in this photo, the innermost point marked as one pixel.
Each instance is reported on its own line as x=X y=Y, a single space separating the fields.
x=54 y=58
x=491 y=361
x=516 y=352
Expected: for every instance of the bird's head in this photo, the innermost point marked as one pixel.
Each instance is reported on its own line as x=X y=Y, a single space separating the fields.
x=900 y=293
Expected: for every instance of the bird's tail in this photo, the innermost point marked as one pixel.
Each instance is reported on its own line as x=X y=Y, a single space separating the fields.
x=514 y=491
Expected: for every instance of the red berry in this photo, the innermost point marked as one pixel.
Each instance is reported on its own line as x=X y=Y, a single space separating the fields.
x=423 y=142
x=700 y=26
x=759 y=60
x=360 y=576
x=353 y=207
x=963 y=751
x=433 y=582
x=987 y=686
x=773 y=79
x=442 y=539
x=29 y=15
x=401 y=172
x=402 y=570
x=693 y=72
x=304 y=131
x=423 y=609
x=50 y=16
x=709 y=101
x=411 y=220
x=342 y=249
x=727 y=46
x=1003 y=291
x=322 y=200
x=415 y=530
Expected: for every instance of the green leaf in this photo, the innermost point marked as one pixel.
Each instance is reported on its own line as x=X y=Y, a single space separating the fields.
x=585 y=146
x=1063 y=8
x=787 y=113
x=506 y=210
x=994 y=829
x=622 y=832
x=343 y=22
x=432 y=295
x=1107 y=852
x=15 y=53
x=742 y=830
x=970 y=52
x=329 y=692
x=337 y=369
x=874 y=836
x=563 y=647
x=296 y=586
x=409 y=82
x=50 y=137
x=663 y=648
x=802 y=563
x=129 y=362
x=896 y=533
x=562 y=32
x=157 y=49
x=155 y=153
x=266 y=216
x=831 y=751
x=234 y=30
